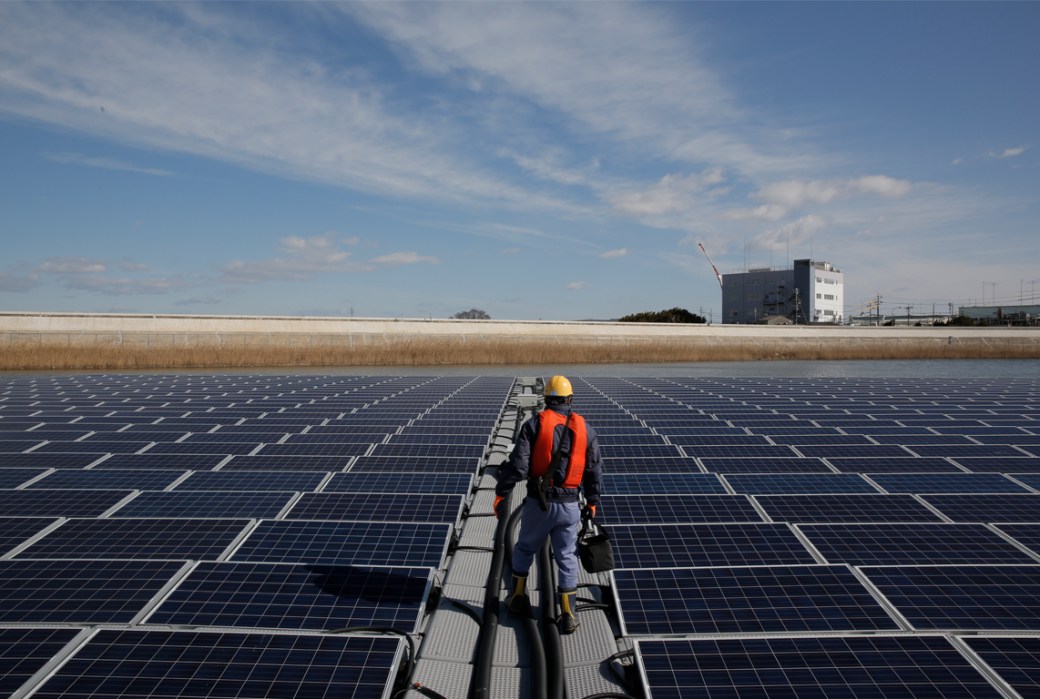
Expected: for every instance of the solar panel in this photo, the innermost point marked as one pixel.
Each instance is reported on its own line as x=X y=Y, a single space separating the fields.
x=166 y=664
x=23 y=652
x=635 y=464
x=281 y=481
x=182 y=448
x=413 y=464
x=753 y=599
x=780 y=483
x=848 y=507
x=346 y=543
x=637 y=509
x=1016 y=659
x=897 y=464
x=946 y=483
x=296 y=596
x=102 y=478
x=670 y=483
x=17 y=530
x=817 y=667
x=400 y=507
x=209 y=503
x=383 y=482
x=327 y=449
x=196 y=462
x=684 y=545
x=194 y=539
x=859 y=450
x=966 y=450
x=1027 y=533
x=732 y=450
x=59 y=503
x=980 y=507
x=287 y=463
x=1000 y=464
x=962 y=597
x=758 y=464
x=79 y=592
x=898 y=544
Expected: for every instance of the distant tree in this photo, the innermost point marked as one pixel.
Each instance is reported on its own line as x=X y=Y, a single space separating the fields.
x=472 y=314
x=672 y=315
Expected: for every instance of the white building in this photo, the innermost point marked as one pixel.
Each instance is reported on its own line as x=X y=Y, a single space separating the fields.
x=809 y=292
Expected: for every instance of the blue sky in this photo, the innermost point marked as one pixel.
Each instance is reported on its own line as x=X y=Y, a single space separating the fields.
x=534 y=160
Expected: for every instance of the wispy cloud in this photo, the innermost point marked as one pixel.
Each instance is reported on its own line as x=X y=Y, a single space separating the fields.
x=1009 y=152
x=796 y=193
x=18 y=282
x=671 y=194
x=576 y=286
x=104 y=163
x=614 y=254
x=404 y=258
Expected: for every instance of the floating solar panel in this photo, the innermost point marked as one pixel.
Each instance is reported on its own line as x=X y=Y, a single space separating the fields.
x=458 y=451
x=415 y=464
x=269 y=481
x=634 y=465
x=286 y=463
x=899 y=544
x=383 y=482
x=102 y=478
x=979 y=507
x=1027 y=534
x=94 y=447
x=849 y=507
x=18 y=530
x=966 y=450
x=194 y=539
x=183 y=448
x=1016 y=659
x=346 y=543
x=23 y=652
x=19 y=446
x=722 y=451
x=670 y=483
x=685 y=545
x=858 y=450
x=167 y=664
x=805 y=483
x=58 y=503
x=999 y=464
x=15 y=477
x=313 y=597
x=962 y=597
x=399 y=507
x=638 y=509
x=79 y=592
x=946 y=483
x=753 y=599
x=326 y=449
x=210 y=503
x=817 y=667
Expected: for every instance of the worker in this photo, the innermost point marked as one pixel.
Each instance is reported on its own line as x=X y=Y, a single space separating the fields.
x=557 y=454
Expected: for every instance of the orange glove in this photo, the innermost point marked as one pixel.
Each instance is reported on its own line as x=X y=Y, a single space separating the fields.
x=497 y=507
x=589 y=512
x=593 y=509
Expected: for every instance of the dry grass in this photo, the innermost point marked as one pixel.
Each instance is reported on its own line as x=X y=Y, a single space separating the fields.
x=211 y=352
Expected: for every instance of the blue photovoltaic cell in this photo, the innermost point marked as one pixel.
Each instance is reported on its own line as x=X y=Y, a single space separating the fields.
x=14 y=477
x=733 y=450
x=266 y=595
x=17 y=530
x=747 y=600
x=25 y=651
x=346 y=543
x=765 y=465
x=781 y=483
x=903 y=464
x=636 y=509
x=421 y=451
x=1015 y=658
x=169 y=664
x=999 y=507
x=415 y=464
x=94 y=447
x=876 y=451
x=18 y=446
x=635 y=465
x=686 y=545
x=1028 y=534
x=286 y=463
x=922 y=542
x=705 y=440
x=822 y=667
x=1001 y=464
x=267 y=481
x=662 y=484
x=59 y=503
x=195 y=462
x=389 y=507
x=384 y=482
x=966 y=450
x=962 y=597
x=850 y=507
x=127 y=479
x=41 y=461
x=820 y=439
x=195 y=539
x=79 y=592
x=946 y=483
x=209 y=503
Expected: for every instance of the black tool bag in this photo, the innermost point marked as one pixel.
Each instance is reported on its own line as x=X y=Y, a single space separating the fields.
x=594 y=549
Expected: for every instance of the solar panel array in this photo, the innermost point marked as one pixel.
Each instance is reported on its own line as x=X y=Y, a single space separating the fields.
x=226 y=529
x=826 y=537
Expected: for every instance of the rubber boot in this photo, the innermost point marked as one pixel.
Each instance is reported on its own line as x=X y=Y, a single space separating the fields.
x=518 y=598
x=568 y=622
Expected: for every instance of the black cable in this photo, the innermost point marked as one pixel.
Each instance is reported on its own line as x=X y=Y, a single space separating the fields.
x=537 y=655
x=550 y=632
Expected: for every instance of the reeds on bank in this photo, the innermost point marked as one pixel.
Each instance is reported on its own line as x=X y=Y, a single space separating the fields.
x=201 y=351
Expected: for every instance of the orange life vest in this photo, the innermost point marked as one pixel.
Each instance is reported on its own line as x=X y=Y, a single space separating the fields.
x=541 y=454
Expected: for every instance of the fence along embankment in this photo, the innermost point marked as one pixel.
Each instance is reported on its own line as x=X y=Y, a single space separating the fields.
x=126 y=342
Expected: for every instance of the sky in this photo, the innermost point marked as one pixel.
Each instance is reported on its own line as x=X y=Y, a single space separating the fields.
x=537 y=160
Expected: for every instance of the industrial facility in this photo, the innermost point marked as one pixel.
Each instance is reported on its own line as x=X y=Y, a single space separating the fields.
x=809 y=292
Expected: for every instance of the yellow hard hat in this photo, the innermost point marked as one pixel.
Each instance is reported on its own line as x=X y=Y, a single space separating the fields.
x=559 y=387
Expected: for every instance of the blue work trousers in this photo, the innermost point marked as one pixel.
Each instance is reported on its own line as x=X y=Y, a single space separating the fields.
x=560 y=525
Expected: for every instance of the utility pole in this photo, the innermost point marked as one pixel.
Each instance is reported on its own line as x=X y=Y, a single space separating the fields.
x=878 y=307
x=908 y=316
